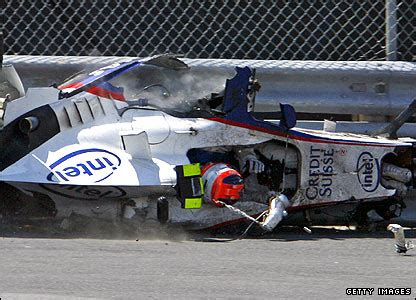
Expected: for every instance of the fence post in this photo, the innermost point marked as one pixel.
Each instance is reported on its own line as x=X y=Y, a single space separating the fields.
x=391 y=30
x=2 y=5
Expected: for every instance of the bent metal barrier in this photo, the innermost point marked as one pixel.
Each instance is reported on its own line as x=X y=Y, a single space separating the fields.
x=372 y=88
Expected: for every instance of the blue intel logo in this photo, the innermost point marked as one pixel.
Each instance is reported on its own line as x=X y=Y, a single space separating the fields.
x=87 y=165
x=368 y=172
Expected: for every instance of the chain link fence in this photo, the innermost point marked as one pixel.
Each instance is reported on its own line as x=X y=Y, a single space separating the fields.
x=292 y=30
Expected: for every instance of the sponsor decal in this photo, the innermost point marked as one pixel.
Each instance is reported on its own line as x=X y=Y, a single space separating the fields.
x=342 y=151
x=84 y=192
x=86 y=165
x=320 y=173
x=368 y=172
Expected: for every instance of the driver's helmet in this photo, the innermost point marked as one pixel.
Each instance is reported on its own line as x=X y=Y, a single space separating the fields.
x=221 y=183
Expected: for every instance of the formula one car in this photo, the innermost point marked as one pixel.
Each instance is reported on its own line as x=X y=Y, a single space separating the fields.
x=119 y=143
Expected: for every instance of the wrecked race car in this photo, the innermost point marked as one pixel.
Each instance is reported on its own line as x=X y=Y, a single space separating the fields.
x=116 y=143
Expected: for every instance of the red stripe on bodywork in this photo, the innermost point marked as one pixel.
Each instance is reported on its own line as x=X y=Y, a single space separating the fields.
x=98 y=91
x=71 y=86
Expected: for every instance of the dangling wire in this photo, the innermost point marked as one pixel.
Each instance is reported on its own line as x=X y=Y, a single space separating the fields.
x=251 y=225
x=245 y=215
x=240 y=212
x=241 y=236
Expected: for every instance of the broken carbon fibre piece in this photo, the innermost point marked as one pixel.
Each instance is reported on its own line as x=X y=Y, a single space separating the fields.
x=401 y=245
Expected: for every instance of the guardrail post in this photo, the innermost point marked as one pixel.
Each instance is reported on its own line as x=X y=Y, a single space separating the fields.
x=391 y=30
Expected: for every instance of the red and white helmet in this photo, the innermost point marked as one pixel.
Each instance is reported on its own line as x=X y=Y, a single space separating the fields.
x=221 y=183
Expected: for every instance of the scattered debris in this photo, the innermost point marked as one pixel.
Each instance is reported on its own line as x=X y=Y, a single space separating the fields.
x=401 y=245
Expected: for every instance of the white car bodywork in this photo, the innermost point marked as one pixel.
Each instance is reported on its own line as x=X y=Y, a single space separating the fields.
x=108 y=151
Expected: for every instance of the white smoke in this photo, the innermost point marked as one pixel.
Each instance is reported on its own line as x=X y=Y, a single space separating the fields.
x=170 y=89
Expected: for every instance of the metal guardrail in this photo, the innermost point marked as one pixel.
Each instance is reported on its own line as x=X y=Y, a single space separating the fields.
x=373 y=88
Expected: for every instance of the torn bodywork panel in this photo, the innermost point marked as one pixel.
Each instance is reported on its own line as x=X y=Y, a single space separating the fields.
x=111 y=136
